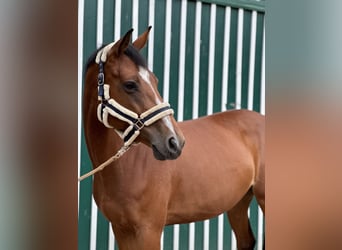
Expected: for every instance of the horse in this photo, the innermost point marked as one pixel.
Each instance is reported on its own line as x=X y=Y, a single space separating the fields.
x=174 y=172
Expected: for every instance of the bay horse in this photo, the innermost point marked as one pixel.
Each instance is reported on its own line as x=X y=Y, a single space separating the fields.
x=162 y=180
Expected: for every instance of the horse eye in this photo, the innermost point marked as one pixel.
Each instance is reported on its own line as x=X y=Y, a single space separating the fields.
x=130 y=86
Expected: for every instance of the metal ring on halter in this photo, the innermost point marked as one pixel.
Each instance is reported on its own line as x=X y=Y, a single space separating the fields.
x=139 y=124
x=100 y=79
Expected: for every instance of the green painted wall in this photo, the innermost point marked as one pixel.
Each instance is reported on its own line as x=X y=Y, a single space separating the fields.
x=109 y=27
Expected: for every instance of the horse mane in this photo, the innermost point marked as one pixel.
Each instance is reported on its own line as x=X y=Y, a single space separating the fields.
x=131 y=52
x=135 y=56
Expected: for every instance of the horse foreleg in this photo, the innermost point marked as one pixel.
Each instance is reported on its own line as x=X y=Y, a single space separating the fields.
x=137 y=237
x=238 y=218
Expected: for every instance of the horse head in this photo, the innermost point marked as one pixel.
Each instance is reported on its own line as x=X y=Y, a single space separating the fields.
x=130 y=101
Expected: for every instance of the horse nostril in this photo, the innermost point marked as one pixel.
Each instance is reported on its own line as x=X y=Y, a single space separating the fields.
x=173 y=144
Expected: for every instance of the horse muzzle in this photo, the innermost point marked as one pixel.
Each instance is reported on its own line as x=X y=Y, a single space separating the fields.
x=171 y=149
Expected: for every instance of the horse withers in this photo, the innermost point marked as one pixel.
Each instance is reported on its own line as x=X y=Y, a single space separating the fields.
x=174 y=172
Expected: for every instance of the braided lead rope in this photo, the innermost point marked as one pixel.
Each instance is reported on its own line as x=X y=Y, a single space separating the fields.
x=121 y=151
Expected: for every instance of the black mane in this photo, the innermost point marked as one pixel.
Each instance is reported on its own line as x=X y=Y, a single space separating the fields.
x=135 y=56
x=131 y=52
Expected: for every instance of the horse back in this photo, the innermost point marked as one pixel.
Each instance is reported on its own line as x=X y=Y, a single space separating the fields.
x=248 y=126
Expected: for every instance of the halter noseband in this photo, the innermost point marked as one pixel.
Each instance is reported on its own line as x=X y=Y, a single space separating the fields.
x=109 y=106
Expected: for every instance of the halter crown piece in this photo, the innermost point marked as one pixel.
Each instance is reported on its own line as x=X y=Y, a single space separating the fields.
x=108 y=106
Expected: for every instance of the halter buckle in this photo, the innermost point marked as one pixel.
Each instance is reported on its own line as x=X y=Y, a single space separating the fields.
x=100 y=79
x=139 y=124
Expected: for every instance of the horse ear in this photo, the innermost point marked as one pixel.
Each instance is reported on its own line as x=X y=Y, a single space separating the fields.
x=121 y=45
x=140 y=42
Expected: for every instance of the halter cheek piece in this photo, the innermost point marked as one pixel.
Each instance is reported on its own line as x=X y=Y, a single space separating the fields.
x=109 y=106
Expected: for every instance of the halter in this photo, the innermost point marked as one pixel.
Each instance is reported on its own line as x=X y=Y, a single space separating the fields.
x=108 y=106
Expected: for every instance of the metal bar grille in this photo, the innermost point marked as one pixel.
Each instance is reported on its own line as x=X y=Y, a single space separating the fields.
x=209 y=57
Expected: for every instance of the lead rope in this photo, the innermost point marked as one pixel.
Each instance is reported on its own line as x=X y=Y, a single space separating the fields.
x=121 y=151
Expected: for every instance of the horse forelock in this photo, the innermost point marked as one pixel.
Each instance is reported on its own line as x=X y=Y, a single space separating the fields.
x=135 y=56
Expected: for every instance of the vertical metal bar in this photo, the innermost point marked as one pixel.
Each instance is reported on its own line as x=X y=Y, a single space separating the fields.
x=79 y=92
x=111 y=237
x=260 y=229
x=252 y=61
x=151 y=35
x=262 y=105
x=99 y=27
x=181 y=76
x=233 y=247
x=197 y=59
x=117 y=20
x=192 y=236
x=211 y=65
x=176 y=237
x=220 y=232
x=167 y=50
x=225 y=59
x=162 y=241
x=262 y=111
x=135 y=17
x=206 y=235
x=93 y=225
x=239 y=59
